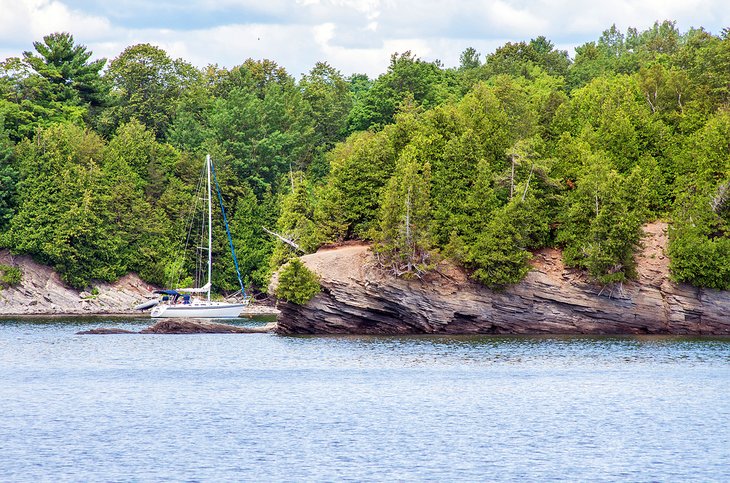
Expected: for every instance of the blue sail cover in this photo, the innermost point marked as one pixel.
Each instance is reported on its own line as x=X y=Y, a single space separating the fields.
x=228 y=231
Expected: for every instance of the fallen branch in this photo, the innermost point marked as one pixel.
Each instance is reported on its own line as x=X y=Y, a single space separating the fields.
x=283 y=239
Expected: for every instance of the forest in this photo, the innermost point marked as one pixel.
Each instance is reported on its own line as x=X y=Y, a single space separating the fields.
x=482 y=163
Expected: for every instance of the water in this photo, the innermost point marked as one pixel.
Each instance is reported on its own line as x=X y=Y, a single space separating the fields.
x=260 y=407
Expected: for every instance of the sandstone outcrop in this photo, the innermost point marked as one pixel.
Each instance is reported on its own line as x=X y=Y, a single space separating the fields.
x=357 y=298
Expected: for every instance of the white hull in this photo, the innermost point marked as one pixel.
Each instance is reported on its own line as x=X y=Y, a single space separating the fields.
x=200 y=310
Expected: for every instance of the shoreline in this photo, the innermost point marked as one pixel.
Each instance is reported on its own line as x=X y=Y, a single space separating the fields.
x=42 y=293
x=271 y=327
x=262 y=311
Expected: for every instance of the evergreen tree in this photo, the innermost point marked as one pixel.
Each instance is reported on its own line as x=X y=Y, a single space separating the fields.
x=56 y=83
x=359 y=169
x=699 y=239
x=601 y=223
x=66 y=66
x=254 y=247
x=404 y=240
x=295 y=222
x=61 y=218
x=297 y=284
x=8 y=180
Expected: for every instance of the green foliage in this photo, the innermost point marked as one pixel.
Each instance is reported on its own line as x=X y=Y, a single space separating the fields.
x=525 y=58
x=83 y=207
x=67 y=68
x=8 y=179
x=295 y=223
x=330 y=100
x=700 y=260
x=407 y=78
x=60 y=219
x=56 y=83
x=486 y=161
x=403 y=241
x=146 y=85
x=129 y=194
x=253 y=245
x=601 y=222
x=9 y=275
x=264 y=125
x=469 y=59
x=699 y=239
x=297 y=284
x=359 y=169
x=499 y=256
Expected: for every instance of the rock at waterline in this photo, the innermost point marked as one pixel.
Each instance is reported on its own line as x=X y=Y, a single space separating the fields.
x=192 y=326
x=104 y=331
x=185 y=326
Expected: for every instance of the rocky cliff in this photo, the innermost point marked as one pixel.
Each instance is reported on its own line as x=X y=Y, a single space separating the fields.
x=357 y=298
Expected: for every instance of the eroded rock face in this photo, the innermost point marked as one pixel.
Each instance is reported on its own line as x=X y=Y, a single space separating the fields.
x=359 y=299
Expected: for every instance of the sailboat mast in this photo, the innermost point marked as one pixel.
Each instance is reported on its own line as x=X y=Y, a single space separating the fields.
x=210 y=227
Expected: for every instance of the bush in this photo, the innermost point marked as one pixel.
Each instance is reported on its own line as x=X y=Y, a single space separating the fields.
x=699 y=260
x=699 y=238
x=297 y=284
x=10 y=276
x=499 y=255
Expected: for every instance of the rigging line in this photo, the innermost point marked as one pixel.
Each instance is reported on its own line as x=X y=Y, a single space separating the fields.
x=228 y=231
x=191 y=216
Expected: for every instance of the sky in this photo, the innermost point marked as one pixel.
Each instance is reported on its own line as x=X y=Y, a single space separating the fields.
x=354 y=36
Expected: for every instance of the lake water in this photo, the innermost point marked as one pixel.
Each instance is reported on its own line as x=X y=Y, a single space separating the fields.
x=261 y=407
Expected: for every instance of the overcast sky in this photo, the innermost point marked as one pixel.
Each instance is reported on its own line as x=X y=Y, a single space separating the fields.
x=354 y=36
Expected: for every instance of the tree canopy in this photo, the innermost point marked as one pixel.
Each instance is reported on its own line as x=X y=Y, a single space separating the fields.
x=484 y=163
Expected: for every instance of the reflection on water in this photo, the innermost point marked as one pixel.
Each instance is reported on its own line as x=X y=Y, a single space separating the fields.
x=260 y=407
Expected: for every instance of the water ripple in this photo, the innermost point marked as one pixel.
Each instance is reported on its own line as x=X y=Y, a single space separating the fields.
x=265 y=408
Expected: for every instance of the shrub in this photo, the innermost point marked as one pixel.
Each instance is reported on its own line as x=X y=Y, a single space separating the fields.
x=297 y=284
x=10 y=276
x=698 y=259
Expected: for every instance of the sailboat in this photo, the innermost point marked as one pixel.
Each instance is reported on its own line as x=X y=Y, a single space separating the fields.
x=195 y=302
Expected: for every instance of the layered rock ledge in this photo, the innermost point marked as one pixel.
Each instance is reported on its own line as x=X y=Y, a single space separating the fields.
x=357 y=298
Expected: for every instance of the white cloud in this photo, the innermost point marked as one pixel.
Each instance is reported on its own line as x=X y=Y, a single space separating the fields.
x=351 y=35
x=30 y=20
x=521 y=21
